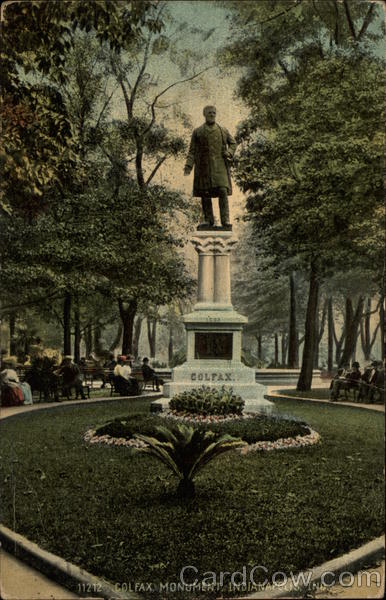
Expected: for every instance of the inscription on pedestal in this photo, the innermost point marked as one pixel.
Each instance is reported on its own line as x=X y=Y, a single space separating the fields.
x=212 y=377
x=212 y=345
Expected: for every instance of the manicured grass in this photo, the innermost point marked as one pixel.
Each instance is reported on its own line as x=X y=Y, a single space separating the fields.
x=113 y=511
x=318 y=393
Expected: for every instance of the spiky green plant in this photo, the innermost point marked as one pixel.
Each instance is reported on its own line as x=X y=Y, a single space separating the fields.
x=186 y=450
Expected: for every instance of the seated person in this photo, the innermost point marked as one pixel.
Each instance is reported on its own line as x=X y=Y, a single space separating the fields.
x=338 y=383
x=377 y=382
x=354 y=376
x=11 y=394
x=111 y=363
x=124 y=383
x=149 y=374
x=365 y=382
x=71 y=375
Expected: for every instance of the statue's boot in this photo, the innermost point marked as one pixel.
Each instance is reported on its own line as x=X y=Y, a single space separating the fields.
x=207 y=210
x=224 y=211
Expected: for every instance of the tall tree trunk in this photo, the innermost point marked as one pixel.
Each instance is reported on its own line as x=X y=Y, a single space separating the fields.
x=12 y=333
x=339 y=345
x=352 y=321
x=137 y=335
x=117 y=338
x=127 y=311
x=151 y=335
x=276 y=359
x=77 y=335
x=171 y=344
x=319 y=333
x=354 y=352
x=316 y=346
x=67 y=323
x=330 y=354
x=292 y=334
x=382 y=325
x=97 y=347
x=259 y=347
x=284 y=345
x=305 y=377
x=88 y=339
x=368 y=339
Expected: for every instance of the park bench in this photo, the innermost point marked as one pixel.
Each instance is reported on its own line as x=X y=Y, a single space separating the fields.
x=359 y=391
x=348 y=387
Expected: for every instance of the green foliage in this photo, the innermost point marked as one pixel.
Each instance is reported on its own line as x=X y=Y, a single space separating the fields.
x=248 y=359
x=38 y=149
x=311 y=159
x=185 y=451
x=260 y=286
x=130 y=425
x=208 y=401
x=256 y=429
x=178 y=358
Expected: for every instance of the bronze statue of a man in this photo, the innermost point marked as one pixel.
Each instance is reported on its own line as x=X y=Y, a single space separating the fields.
x=211 y=149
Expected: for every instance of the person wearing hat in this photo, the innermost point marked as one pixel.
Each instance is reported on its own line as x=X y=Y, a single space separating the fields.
x=149 y=374
x=354 y=378
x=71 y=377
x=11 y=394
x=377 y=381
x=122 y=368
x=124 y=383
x=364 y=384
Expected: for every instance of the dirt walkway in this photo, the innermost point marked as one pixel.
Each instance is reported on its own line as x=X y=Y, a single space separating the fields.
x=18 y=581
x=358 y=589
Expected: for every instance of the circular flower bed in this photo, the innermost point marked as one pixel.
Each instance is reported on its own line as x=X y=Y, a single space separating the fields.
x=192 y=418
x=260 y=432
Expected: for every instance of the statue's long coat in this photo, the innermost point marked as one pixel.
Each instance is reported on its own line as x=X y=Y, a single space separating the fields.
x=206 y=154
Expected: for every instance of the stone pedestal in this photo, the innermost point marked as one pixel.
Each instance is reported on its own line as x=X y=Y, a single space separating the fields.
x=214 y=329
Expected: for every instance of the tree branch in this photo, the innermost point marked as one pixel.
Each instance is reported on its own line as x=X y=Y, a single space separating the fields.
x=104 y=107
x=367 y=21
x=336 y=32
x=127 y=100
x=10 y=307
x=283 y=12
x=349 y=19
x=158 y=96
x=140 y=74
x=374 y=336
x=323 y=319
x=154 y=171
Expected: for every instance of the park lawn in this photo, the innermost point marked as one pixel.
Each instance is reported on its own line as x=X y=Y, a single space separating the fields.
x=113 y=511
x=318 y=393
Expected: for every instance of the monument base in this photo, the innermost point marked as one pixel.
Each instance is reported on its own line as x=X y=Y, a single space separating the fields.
x=214 y=330
x=218 y=374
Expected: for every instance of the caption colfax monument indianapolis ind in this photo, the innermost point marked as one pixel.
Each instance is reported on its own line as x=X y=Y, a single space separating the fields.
x=214 y=328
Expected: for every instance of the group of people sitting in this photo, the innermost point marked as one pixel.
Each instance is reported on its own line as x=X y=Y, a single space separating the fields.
x=13 y=391
x=368 y=387
x=124 y=380
x=52 y=379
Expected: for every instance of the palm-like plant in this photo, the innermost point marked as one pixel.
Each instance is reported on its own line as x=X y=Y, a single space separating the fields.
x=186 y=451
